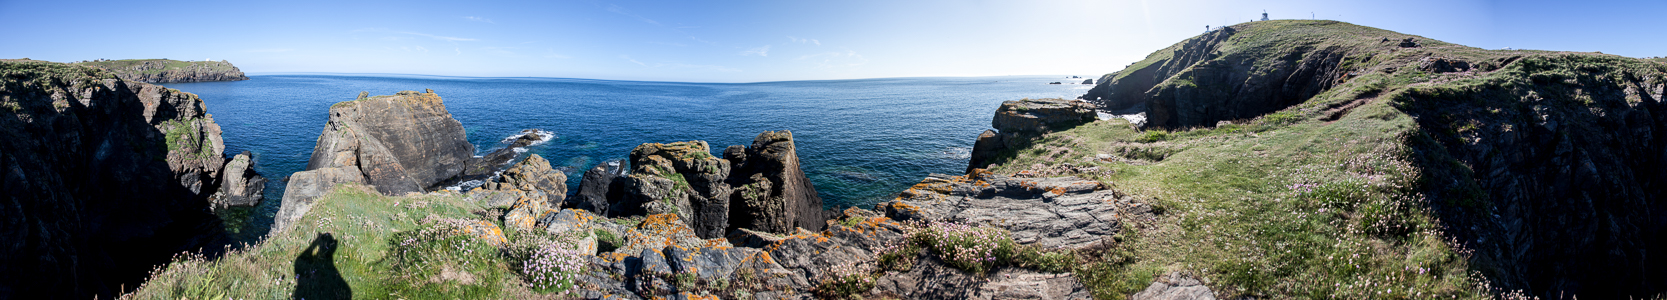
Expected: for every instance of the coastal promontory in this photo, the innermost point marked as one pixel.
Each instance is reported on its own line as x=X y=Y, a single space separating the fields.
x=167 y=70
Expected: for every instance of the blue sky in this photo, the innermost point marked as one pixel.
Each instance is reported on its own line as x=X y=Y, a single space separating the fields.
x=748 y=41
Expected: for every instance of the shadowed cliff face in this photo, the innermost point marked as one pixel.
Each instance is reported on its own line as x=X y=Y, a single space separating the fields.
x=1544 y=164
x=1554 y=173
x=104 y=179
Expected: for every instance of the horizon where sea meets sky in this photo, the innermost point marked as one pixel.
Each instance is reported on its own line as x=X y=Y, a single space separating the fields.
x=752 y=41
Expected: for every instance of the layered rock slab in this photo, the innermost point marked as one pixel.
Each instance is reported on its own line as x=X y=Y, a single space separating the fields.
x=1017 y=122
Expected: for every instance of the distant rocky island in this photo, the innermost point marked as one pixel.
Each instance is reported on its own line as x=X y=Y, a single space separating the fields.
x=1290 y=159
x=168 y=71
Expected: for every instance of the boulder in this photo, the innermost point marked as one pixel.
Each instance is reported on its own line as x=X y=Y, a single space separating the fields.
x=240 y=184
x=303 y=191
x=773 y=193
x=600 y=186
x=533 y=175
x=403 y=143
x=1175 y=286
x=1088 y=81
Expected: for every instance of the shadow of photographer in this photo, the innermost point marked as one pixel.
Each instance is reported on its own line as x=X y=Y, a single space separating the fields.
x=315 y=272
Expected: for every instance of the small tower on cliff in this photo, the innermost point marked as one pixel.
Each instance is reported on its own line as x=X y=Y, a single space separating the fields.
x=1264 y=15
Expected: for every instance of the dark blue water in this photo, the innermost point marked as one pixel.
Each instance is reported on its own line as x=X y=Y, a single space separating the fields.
x=860 y=141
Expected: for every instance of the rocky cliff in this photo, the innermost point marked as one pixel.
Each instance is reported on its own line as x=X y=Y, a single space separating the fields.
x=1017 y=122
x=1543 y=164
x=165 y=71
x=399 y=144
x=104 y=179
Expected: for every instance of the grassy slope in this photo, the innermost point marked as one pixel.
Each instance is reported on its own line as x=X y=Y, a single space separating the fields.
x=369 y=258
x=1300 y=203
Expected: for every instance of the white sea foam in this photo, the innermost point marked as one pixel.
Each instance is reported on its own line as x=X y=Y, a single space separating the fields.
x=544 y=136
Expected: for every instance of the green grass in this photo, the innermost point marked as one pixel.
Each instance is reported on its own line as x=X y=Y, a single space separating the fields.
x=380 y=250
x=129 y=65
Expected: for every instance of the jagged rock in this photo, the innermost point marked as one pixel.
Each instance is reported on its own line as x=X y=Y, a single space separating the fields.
x=1088 y=81
x=659 y=231
x=1062 y=212
x=1017 y=122
x=495 y=198
x=528 y=210
x=240 y=185
x=773 y=193
x=533 y=175
x=572 y=224
x=598 y=185
x=699 y=192
x=1175 y=286
x=485 y=165
x=303 y=191
x=166 y=71
x=402 y=143
x=480 y=229
x=103 y=179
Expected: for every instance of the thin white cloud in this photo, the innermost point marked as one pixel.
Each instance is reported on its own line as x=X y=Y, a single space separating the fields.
x=459 y=51
x=273 y=50
x=804 y=41
x=628 y=58
x=702 y=41
x=761 y=51
x=621 y=11
x=479 y=19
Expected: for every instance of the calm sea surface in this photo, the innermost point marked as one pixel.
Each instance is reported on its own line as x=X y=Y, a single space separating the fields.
x=860 y=141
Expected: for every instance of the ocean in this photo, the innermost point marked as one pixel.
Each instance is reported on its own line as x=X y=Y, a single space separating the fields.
x=860 y=141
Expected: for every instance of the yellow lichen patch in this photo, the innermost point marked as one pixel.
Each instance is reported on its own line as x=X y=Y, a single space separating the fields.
x=692 y=296
x=613 y=256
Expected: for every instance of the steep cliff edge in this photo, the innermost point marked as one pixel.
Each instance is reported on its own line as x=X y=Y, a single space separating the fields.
x=104 y=179
x=1541 y=169
x=165 y=70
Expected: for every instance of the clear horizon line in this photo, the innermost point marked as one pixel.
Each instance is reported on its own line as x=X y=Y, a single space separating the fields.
x=628 y=80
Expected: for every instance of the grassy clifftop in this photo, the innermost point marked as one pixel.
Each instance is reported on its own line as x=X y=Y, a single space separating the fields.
x=166 y=70
x=1355 y=163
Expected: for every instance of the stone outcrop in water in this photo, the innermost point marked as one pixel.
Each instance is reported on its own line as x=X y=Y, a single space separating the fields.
x=242 y=185
x=165 y=71
x=1016 y=122
x=398 y=144
x=103 y=179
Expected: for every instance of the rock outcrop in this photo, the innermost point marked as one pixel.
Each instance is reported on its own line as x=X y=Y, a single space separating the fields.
x=104 y=179
x=772 y=193
x=241 y=186
x=165 y=71
x=681 y=178
x=1017 y=122
x=599 y=184
x=398 y=144
x=1058 y=212
x=1175 y=286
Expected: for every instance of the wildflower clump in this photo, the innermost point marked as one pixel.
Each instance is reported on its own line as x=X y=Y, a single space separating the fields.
x=553 y=267
x=974 y=249
x=845 y=281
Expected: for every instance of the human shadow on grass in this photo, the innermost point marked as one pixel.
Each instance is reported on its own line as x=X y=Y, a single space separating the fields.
x=315 y=272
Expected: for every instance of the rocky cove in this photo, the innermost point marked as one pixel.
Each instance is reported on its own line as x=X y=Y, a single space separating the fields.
x=1279 y=159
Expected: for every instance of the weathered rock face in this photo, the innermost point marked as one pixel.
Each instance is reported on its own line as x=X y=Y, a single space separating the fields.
x=533 y=175
x=1053 y=212
x=1555 y=180
x=165 y=71
x=1175 y=286
x=1017 y=122
x=399 y=144
x=402 y=143
x=773 y=193
x=598 y=185
x=682 y=178
x=103 y=179
x=242 y=186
